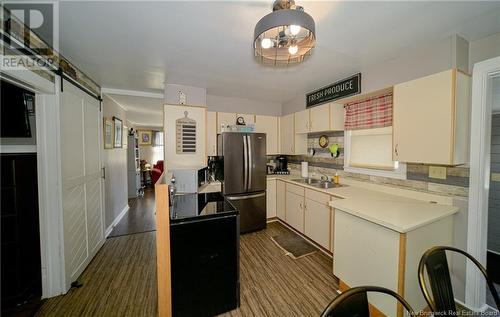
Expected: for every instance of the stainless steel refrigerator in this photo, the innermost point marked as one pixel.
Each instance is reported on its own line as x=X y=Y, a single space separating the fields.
x=244 y=181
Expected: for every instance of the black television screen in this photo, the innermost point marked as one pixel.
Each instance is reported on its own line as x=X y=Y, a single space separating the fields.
x=16 y=106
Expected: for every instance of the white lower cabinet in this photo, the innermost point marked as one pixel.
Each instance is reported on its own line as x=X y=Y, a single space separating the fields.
x=317 y=222
x=271 y=198
x=318 y=218
x=280 y=200
x=295 y=211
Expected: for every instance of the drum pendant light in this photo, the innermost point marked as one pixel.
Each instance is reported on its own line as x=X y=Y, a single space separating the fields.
x=285 y=36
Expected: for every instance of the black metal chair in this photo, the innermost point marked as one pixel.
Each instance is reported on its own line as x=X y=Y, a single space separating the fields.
x=354 y=302
x=442 y=300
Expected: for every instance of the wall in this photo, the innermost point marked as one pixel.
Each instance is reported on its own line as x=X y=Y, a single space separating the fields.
x=483 y=49
x=418 y=62
x=241 y=105
x=195 y=96
x=115 y=162
x=414 y=63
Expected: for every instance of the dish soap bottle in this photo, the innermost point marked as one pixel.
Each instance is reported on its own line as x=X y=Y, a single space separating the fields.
x=336 y=178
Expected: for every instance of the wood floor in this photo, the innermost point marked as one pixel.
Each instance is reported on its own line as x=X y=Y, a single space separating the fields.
x=140 y=217
x=121 y=280
x=273 y=284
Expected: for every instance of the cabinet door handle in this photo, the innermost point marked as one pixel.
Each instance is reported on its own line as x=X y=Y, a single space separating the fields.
x=396 y=149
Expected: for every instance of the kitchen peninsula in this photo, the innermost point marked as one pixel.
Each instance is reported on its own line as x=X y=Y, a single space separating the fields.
x=361 y=223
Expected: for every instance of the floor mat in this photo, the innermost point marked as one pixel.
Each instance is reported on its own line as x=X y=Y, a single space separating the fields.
x=294 y=245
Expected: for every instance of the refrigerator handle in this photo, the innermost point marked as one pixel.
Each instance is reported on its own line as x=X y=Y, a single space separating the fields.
x=245 y=162
x=250 y=162
x=232 y=198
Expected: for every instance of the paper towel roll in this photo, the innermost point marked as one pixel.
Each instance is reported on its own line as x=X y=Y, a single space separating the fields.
x=305 y=169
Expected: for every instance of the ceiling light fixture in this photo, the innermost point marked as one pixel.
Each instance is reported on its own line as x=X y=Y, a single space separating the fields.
x=285 y=36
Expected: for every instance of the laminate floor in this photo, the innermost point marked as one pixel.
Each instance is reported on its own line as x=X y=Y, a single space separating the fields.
x=121 y=280
x=140 y=217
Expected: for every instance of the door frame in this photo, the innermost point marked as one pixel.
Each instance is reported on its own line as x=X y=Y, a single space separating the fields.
x=48 y=170
x=480 y=147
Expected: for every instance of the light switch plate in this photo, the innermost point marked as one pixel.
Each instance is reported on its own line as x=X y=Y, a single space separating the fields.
x=437 y=172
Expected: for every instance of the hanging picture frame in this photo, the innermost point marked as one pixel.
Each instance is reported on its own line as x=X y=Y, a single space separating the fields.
x=118 y=132
x=108 y=130
x=145 y=137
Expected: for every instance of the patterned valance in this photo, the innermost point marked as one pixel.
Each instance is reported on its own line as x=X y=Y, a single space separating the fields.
x=374 y=112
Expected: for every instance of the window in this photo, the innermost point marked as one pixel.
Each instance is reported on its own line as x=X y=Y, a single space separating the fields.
x=369 y=151
x=368 y=138
x=157 y=146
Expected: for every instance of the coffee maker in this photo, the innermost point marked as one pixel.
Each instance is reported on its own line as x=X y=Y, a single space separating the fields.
x=281 y=165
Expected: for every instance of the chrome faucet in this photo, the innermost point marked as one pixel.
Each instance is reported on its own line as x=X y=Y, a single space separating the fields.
x=324 y=177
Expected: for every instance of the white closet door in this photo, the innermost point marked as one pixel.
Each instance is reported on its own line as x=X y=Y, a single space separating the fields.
x=81 y=182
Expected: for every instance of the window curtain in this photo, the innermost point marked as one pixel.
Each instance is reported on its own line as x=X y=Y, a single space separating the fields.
x=375 y=112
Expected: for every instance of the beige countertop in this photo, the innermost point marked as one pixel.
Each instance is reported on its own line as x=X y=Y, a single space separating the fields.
x=398 y=213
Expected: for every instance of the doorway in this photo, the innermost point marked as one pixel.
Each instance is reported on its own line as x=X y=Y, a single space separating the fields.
x=484 y=90
x=493 y=238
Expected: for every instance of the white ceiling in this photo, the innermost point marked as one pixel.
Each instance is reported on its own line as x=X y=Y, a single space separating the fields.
x=141 y=45
x=141 y=111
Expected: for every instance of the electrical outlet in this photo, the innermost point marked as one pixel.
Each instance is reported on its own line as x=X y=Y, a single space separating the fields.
x=437 y=172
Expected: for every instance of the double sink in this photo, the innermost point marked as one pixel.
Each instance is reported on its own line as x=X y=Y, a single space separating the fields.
x=317 y=183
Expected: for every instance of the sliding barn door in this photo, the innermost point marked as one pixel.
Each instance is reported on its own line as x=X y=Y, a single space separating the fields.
x=81 y=179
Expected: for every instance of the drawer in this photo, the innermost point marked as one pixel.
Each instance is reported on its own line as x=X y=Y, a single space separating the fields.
x=317 y=196
x=296 y=189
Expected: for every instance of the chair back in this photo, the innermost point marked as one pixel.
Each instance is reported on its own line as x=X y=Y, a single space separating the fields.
x=442 y=299
x=438 y=272
x=354 y=302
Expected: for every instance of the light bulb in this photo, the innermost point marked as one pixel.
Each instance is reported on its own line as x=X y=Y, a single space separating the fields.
x=293 y=49
x=266 y=43
x=294 y=29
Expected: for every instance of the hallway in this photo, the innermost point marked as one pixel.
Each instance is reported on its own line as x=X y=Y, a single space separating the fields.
x=139 y=218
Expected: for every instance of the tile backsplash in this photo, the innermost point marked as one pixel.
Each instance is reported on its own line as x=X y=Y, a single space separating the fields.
x=455 y=184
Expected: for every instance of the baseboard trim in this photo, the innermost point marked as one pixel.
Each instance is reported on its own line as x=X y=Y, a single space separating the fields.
x=480 y=310
x=117 y=220
x=494 y=252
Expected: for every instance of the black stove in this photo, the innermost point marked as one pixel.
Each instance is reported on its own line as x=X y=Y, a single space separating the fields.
x=204 y=251
x=188 y=206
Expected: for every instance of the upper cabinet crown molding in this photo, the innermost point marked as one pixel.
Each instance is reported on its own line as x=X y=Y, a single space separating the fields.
x=431 y=119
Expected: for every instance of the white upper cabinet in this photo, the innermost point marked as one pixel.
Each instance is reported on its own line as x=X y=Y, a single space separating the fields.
x=226 y=118
x=249 y=118
x=287 y=134
x=302 y=121
x=319 y=118
x=292 y=143
x=327 y=117
x=211 y=133
x=337 y=117
x=431 y=119
x=270 y=126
